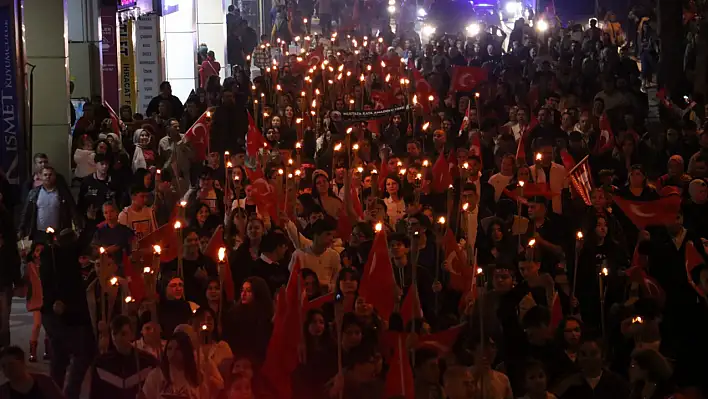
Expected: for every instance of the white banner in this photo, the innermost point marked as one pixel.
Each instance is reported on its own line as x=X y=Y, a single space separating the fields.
x=147 y=54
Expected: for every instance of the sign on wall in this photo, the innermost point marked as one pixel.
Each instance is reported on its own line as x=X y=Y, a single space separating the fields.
x=127 y=66
x=147 y=53
x=109 y=56
x=12 y=140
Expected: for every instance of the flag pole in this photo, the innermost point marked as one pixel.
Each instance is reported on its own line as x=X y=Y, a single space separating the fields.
x=414 y=283
x=339 y=316
x=604 y=272
x=579 y=240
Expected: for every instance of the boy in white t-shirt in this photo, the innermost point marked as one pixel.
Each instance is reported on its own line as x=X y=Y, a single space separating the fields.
x=137 y=216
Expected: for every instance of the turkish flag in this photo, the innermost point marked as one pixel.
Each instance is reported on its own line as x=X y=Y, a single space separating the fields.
x=116 y=124
x=198 y=137
x=693 y=260
x=281 y=356
x=529 y=190
x=399 y=379
x=644 y=213
x=423 y=89
x=556 y=312
x=476 y=148
x=265 y=197
x=441 y=175
x=168 y=240
x=318 y=302
x=212 y=250
x=377 y=281
x=441 y=341
x=467 y=78
x=606 y=140
x=315 y=57
x=568 y=161
x=136 y=284
x=255 y=140
x=382 y=99
x=344 y=224
x=410 y=308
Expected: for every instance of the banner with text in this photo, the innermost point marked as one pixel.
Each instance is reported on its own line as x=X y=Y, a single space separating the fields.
x=127 y=66
x=12 y=147
x=109 y=56
x=372 y=114
x=147 y=53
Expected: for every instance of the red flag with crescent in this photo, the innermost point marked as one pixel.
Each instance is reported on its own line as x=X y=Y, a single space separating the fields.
x=606 y=141
x=198 y=137
x=315 y=57
x=116 y=124
x=255 y=140
x=212 y=250
x=265 y=197
x=467 y=78
x=423 y=89
x=644 y=213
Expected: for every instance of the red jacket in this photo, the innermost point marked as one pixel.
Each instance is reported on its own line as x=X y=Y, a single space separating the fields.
x=209 y=67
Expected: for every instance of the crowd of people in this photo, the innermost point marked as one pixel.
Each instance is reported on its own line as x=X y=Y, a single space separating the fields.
x=374 y=217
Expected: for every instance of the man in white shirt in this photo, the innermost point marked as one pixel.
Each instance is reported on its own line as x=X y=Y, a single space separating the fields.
x=319 y=256
x=137 y=216
x=166 y=145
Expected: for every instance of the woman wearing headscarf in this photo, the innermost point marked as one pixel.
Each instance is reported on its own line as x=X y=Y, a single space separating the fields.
x=248 y=326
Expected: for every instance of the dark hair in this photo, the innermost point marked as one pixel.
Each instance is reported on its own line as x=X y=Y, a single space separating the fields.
x=138 y=189
x=262 y=298
x=201 y=312
x=561 y=328
x=164 y=84
x=119 y=322
x=271 y=241
x=402 y=238
x=342 y=274
x=322 y=226
x=30 y=254
x=395 y=178
x=99 y=158
x=191 y=372
x=40 y=155
x=13 y=351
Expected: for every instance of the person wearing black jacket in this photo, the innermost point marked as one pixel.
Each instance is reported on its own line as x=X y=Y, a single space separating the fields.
x=176 y=107
x=97 y=189
x=35 y=219
x=273 y=248
x=65 y=314
x=173 y=309
x=229 y=123
x=196 y=268
x=120 y=373
x=400 y=246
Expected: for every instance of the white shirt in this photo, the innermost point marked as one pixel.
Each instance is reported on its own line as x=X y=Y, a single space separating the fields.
x=326 y=265
x=142 y=222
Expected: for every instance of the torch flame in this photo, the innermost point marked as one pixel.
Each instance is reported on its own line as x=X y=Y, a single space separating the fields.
x=157 y=249
x=378 y=227
x=222 y=254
